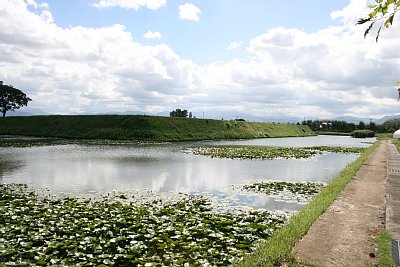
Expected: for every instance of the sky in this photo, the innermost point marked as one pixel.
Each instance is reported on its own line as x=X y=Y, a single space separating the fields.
x=259 y=57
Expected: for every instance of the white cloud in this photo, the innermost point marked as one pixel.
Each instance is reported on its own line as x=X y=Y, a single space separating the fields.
x=331 y=72
x=34 y=4
x=189 y=12
x=81 y=69
x=327 y=73
x=131 y=4
x=152 y=35
x=47 y=17
x=351 y=13
x=235 y=45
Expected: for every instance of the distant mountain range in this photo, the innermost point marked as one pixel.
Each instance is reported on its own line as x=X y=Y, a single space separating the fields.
x=218 y=115
x=26 y=112
x=356 y=120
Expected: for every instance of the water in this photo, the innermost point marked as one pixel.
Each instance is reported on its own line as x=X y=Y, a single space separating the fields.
x=320 y=140
x=164 y=168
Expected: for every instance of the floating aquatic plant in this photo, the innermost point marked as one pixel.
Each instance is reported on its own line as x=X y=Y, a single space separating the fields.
x=21 y=141
x=337 y=149
x=37 y=230
x=268 y=152
x=300 y=190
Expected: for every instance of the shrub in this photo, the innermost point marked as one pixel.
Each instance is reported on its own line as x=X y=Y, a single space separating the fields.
x=362 y=133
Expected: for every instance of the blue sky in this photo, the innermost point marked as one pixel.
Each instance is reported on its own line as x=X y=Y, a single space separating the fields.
x=204 y=41
x=265 y=58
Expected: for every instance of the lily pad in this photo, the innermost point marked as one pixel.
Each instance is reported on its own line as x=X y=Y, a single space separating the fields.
x=38 y=229
x=259 y=152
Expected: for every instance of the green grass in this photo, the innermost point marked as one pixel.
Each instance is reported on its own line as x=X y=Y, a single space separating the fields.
x=278 y=249
x=383 y=242
x=138 y=127
x=333 y=133
x=384 y=136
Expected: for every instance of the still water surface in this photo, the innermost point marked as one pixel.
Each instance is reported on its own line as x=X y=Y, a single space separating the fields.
x=164 y=168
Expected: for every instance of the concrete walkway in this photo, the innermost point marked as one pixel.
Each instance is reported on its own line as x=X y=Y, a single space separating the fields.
x=393 y=192
x=343 y=235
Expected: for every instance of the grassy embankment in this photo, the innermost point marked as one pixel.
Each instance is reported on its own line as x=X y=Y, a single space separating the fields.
x=278 y=249
x=148 y=128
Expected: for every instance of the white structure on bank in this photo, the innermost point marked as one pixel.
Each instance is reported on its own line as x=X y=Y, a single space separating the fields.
x=396 y=134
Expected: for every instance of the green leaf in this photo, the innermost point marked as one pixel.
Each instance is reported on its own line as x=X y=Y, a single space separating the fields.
x=41 y=262
x=368 y=29
x=379 y=32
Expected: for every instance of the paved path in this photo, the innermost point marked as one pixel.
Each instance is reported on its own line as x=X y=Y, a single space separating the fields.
x=343 y=235
x=393 y=192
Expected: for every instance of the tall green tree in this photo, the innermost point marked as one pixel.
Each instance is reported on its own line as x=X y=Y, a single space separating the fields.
x=361 y=126
x=382 y=13
x=11 y=98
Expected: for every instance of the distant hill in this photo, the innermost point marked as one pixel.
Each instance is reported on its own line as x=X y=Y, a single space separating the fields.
x=354 y=120
x=357 y=120
x=26 y=112
x=386 y=118
x=216 y=115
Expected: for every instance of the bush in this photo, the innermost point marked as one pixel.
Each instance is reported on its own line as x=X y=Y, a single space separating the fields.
x=362 y=133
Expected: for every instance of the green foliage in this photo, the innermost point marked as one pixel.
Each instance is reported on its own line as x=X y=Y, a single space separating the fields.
x=277 y=250
x=362 y=133
x=330 y=126
x=383 y=242
x=361 y=125
x=384 y=136
x=11 y=98
x=340 y=127
x=391 y=126
x=382 y=11
x=147 y=128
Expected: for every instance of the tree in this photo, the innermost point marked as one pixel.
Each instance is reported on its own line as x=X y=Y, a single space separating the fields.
x=372 y=126
x=11 y=98
x=390 y=126
x=383 y=11
x=361 y=126
x=179 y=113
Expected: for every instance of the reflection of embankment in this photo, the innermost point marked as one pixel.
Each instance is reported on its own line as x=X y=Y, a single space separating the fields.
x=9 y=166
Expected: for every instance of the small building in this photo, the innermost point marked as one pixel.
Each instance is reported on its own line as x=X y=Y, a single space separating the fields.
x=396 y=135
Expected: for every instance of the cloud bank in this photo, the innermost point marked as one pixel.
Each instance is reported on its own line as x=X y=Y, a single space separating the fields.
x=289 y=72
x=130 y=4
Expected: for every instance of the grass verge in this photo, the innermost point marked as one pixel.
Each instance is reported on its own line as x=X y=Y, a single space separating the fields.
x=383 y=242
x=278 y=249
x=384 y=136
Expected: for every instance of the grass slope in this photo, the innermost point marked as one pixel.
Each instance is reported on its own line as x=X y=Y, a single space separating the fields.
x=144 y=128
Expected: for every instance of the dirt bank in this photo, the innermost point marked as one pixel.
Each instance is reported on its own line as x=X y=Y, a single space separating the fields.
x=343 y=235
